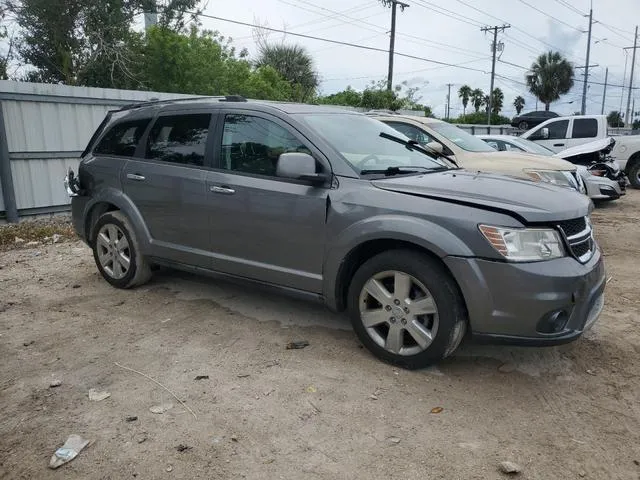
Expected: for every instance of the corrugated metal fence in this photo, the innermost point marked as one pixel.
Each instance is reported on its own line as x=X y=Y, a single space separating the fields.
x=43 y=130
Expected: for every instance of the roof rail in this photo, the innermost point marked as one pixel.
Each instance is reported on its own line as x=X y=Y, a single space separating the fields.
x=156 y=101
x=380 y=111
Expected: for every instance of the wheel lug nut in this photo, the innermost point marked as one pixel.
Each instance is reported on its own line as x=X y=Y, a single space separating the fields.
x=406 y=309
x=392 y=319
x=388 y=308
x=396 y=301
x=403 y=321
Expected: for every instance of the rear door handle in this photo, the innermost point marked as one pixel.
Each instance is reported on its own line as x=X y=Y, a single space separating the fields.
x=558 y=144
x=223 y=190
x=136 y=177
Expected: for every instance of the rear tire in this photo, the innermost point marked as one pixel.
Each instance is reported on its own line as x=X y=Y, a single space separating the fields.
x=415 y=316
x=117 y=253
x=634 y=175
x=523 y=125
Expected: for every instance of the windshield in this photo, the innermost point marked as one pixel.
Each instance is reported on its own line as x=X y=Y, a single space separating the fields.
x=462 y=139
x=357 y=138
x=533 y=147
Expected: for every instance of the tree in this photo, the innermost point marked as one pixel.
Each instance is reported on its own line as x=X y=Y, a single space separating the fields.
x=485 y=103
x=294 y=64
x=497 y=100
x=614 y=119
x=636 y=125
x=518 y=103
x=464 y=93
x=477 y=99
x=550 y=76
x=86 y=42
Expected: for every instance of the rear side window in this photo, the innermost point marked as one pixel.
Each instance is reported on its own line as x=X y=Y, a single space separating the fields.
x=122 y=139
x=585 y=128
x=179 y=139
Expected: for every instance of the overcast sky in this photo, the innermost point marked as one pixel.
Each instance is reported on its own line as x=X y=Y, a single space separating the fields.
x=452 y=36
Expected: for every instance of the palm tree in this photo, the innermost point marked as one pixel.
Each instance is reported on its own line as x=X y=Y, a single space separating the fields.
x=485 y=103
x=550 y=77
x=497 y=100
x=519 y=104
x=294 y=64
x=477 y=99
x=465 y=94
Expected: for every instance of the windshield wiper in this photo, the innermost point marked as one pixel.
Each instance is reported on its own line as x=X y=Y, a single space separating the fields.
x=413 y=145
x=403 y=169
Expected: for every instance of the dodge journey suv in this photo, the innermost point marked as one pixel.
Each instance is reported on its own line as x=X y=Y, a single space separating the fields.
x=339 y=207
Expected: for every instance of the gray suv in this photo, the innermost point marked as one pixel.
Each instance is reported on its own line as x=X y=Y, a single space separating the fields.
x=341 y=208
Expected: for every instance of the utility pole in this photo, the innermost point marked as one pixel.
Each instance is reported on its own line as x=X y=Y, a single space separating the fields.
x=494 y=47
x=633 y=62
x=392 y=41
x=604 y=94
x=583 y=110
x=449 y=85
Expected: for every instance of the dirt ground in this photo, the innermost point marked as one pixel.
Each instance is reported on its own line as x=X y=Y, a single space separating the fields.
x=329 y=411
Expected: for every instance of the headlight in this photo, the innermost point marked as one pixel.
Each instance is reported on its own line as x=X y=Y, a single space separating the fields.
x=557 y=177
x=524 y=244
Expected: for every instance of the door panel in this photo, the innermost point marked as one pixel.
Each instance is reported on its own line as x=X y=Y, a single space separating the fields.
x=558 y=135
x=264 y=227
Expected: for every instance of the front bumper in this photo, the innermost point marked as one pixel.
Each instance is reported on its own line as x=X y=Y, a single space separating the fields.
x=513 y=302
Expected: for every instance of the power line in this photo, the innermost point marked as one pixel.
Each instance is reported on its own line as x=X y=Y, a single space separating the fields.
x=550 y=16
x=570 y=7
x=337 y=42
x=455 y=15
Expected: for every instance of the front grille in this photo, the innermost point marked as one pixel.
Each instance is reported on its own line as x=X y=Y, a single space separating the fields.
x=573 y=227
x=579 y=237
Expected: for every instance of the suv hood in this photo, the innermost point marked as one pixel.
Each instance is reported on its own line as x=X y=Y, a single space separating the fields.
x=530 y=202
x=512 y=163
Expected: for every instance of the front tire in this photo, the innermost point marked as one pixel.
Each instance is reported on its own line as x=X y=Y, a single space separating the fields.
x=634 y=175
x=523 y=126
x=406 y=309
x=117 y=253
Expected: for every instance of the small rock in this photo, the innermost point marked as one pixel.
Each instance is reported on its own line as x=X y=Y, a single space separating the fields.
x=202 y=377
x=581 y=474
x=234 y=438
x=131 y=418
x=437 y=410
x=169 y=468
x=37 y=253
x=18 y=240
x=591 y=372
x=28 y=342
x=298 y=344
x=55 y=383
x=183 y=448
x=506 y=368
x=76 y=285
x=142 y=438
x=32 y=244
x=160 y=409
x=56 y=238
x=510 y=468
x=637 y=462
x=373 y=397
x=395 y=440
x=243 y=375
x=98 y=395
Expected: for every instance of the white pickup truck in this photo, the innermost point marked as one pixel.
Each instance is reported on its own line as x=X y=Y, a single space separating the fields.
x=561 y=133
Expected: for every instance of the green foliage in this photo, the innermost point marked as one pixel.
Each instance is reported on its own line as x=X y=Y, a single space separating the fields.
x=614 y=119
x=636 y=125
x=464 y=93
x=205 y=63
x=550 y=77
x=497 y=100
x=480 y=118
x=518 y=103
x=294 y=64
x=477 y=99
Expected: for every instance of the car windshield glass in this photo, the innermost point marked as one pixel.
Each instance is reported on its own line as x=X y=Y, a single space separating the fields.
x=533 y=147
x=357 y=138
x=462 y=139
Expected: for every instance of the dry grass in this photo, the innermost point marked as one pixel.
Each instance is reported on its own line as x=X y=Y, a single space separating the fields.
x=35 y=230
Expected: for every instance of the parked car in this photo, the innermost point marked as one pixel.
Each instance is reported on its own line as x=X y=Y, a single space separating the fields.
x=565 y=132
x=471 y=153
x=531 y=119
x=597 y=187
x=336 y=206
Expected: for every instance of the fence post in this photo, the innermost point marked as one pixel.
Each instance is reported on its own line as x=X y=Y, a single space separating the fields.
x=473 y=130
x=6 y=178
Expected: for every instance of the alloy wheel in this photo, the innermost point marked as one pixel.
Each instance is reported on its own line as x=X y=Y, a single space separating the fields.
x=113 y=250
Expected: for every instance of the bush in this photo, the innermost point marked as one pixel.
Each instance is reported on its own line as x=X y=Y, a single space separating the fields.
x=480 y=118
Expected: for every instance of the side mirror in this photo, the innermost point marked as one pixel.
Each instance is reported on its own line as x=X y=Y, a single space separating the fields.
x=544 y=133
x=435 y=146
x=299 y=166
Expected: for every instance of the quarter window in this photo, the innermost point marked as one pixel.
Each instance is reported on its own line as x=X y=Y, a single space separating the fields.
x=253 y=144
x=585 y=128
x=122 y=139
x=179 y=139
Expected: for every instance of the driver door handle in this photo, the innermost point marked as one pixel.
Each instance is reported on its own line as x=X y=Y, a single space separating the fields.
x=136 y=177
x=222 y=190
x=558 y=144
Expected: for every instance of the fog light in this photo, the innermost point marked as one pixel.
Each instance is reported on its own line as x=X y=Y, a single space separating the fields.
x=553 y=322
